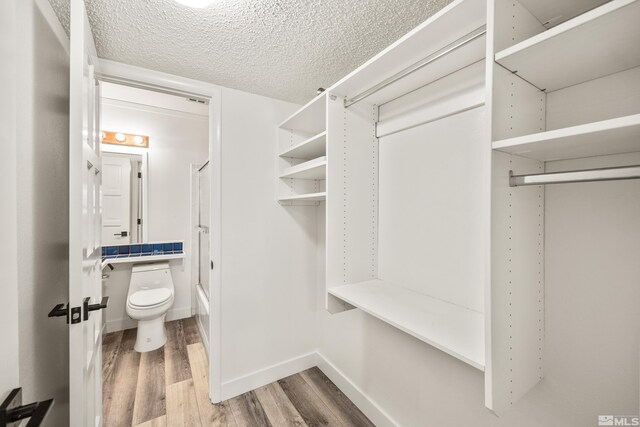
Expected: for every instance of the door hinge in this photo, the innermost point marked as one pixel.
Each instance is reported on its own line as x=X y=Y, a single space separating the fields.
x=139 y=221
x=12 y=410
x=139 y=174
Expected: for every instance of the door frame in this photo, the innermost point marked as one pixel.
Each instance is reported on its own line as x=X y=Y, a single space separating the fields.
x=129 y=75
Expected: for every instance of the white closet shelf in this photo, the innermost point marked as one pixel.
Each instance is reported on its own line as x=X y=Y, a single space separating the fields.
x=456 y=330
x=310 y=197
x=313 y=169
x=310 y=118
x=451 y=23
x=613 y=136
x=311 y=148
x=597 y=43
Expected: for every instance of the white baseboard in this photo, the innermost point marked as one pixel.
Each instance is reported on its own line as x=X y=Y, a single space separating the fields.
x=281 y=370
x=128 y=323
x=374 y=412
x=245 y=383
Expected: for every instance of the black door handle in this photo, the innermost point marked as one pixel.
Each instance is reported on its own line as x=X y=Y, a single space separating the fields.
x=122 y=234
x=12 y=410
x=93 y=307
x=59 y=310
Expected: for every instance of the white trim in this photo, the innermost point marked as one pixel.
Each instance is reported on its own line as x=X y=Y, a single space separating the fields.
x=154 y=79
x=370 y=408
x=153 y=109
x=262 y=377
x=114 y=325
x=56 y=27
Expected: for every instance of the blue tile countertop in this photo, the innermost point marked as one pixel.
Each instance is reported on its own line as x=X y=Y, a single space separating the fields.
x=141 y=250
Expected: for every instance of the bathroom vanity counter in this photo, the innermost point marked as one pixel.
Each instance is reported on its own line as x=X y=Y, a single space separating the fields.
x=140 y=258
x=142 y=253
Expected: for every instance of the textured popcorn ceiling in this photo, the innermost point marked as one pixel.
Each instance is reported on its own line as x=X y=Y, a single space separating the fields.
x=284 y=49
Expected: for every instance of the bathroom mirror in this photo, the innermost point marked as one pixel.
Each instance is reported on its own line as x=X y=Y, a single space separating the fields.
x=124 y=206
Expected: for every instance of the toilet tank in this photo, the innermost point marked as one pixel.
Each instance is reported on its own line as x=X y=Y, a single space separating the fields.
x=150 y=276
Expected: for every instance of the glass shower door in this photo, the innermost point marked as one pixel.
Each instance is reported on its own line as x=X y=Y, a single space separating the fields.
x=204 y=193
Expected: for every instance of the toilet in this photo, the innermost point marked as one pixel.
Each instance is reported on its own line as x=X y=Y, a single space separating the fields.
x=149 y=298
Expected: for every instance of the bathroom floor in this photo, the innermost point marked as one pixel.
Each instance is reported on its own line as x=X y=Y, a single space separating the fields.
x=168 y=387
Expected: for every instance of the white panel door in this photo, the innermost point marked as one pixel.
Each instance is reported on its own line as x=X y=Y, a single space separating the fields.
x=85 y=326
x=116 y=200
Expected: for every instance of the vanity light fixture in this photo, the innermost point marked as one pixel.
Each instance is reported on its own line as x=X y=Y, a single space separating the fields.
x=196 y=3
x=120 y=138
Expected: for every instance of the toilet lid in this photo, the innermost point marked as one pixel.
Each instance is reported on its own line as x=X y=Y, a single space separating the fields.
x=149 y=297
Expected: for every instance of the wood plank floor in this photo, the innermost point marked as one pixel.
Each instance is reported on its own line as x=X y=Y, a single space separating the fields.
x=169 y=388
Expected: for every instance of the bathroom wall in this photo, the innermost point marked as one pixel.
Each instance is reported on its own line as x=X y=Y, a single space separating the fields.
x=178 y=138
x=42 y=206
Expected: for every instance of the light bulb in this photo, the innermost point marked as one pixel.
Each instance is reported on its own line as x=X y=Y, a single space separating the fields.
x=196 y=3
x=138 y=140
x=120 y=137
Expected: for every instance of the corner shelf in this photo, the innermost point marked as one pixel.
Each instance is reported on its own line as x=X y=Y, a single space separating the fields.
x=614 y=136
x=597 y=43
x=310 y=118
x=311 y=148
x=456 y=330
x=313 y=169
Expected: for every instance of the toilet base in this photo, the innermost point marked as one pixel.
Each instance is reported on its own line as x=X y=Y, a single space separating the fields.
x=151 y=335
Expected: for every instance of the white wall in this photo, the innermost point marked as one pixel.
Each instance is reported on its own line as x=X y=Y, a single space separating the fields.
x=176 y=141
x=268 y=282
x=9 y=351
x=43 y=206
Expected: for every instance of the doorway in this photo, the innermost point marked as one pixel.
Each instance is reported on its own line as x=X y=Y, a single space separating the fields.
x=150 y=139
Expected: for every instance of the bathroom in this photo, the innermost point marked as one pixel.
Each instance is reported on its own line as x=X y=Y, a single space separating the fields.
x=154 y=234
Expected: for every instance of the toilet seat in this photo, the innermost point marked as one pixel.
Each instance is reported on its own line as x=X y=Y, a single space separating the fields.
x=149 y=298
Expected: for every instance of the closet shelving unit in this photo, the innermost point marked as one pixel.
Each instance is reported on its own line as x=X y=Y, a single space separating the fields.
x=302 y=160
x=564 y=86
x=594 y=44
x=422 y=148
x=394 y=93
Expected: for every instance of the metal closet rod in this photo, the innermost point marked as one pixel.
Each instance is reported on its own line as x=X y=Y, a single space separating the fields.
x=588 y=175
x=462 y=41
